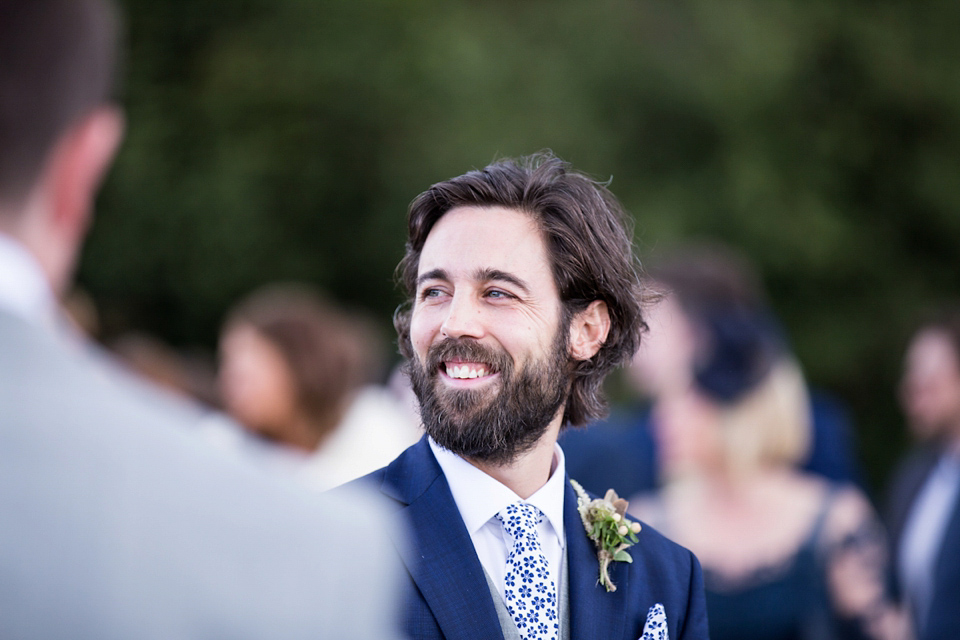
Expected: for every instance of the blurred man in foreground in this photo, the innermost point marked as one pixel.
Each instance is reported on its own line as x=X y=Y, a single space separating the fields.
x=116 y=521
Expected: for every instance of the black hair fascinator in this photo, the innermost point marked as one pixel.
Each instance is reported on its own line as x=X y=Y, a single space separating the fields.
x=739 y=350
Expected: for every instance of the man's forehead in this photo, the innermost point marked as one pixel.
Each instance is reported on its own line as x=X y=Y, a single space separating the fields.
x=485 y=215
x=484 y=241
x=933 y=349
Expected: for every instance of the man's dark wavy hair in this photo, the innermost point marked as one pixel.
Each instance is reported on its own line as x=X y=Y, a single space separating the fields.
x=589 y=241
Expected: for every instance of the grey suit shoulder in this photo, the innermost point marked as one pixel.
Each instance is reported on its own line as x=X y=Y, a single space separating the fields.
x=118 y=523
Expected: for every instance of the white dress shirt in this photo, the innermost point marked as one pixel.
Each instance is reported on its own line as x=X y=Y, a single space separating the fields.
x=480 y=498
x=24 y=290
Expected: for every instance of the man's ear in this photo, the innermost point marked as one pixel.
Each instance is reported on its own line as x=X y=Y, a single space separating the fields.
x=588 y=330
x=66 y=191
x=80 y=161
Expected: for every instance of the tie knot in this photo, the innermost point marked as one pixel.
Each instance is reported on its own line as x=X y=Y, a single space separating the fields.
x=520 y=519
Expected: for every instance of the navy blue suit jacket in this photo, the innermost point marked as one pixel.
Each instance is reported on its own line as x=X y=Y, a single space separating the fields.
x=448 y=597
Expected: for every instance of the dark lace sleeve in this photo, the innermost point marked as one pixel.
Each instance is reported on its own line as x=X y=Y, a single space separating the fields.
x=853 y=548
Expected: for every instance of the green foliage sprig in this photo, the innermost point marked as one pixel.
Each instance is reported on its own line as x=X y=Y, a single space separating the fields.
x=606 y=524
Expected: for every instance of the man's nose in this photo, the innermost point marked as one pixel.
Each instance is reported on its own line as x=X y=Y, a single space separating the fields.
x=464 y=318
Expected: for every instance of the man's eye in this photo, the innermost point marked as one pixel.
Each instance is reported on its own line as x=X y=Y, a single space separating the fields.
x=430 y=293
x=498 y=294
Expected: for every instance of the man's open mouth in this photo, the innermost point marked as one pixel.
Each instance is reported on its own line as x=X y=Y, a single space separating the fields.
x=467 y=370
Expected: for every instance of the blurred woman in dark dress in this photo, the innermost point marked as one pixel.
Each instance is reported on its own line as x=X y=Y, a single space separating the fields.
x=786 y=555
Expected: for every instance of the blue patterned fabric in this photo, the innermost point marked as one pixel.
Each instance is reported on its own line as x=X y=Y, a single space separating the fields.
x=655 y=627
x=530 y=594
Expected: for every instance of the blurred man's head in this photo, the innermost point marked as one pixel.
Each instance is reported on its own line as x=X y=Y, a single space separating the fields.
x=57 y=132
x=930 y=388
x=524 y=294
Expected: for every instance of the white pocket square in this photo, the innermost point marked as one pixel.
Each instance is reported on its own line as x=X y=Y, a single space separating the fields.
x=655 y=628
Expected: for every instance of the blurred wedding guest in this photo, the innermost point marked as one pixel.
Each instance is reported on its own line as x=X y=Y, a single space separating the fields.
x=785 y=554
x=118 y=522
x=620 y=451
x=296 y=371
x=924 y=497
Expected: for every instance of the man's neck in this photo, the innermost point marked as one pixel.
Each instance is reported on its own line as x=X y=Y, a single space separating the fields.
x=531 y=470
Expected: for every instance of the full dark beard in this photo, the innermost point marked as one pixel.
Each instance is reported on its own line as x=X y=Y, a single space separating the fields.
x=483 y=424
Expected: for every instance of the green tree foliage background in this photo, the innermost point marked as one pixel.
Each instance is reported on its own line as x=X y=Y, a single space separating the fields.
x=283 y=139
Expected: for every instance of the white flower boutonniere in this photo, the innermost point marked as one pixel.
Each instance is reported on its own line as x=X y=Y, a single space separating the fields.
x=609 y=529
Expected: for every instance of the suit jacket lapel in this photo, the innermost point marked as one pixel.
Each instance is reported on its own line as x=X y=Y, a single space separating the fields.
x=595 y=614
x=441 y=559
x=913 y=474
x=948 y=557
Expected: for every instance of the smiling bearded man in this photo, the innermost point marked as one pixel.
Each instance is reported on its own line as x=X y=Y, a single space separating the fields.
x=524 y=294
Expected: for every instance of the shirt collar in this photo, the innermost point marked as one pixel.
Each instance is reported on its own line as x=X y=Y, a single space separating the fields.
x=24 y=289
x=480 y=497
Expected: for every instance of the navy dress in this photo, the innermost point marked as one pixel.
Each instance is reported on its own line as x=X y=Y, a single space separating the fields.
x=786 y=602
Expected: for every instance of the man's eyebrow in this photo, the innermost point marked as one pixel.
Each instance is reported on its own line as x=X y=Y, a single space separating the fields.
x=433 y=274
x=481 y=275
x=487 y=274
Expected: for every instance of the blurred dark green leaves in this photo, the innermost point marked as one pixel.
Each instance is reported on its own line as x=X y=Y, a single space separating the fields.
x=283 y=139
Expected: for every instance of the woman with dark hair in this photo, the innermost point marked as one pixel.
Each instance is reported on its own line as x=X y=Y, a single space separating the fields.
x=294 y=372
x=290 y=363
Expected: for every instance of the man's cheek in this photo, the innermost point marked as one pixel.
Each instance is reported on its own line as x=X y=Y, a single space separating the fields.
x=419 y=352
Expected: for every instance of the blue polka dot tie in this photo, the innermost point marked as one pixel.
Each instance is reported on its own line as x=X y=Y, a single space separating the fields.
x=530 y=595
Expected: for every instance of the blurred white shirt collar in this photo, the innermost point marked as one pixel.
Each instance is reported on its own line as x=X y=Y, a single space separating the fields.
x=24 y=290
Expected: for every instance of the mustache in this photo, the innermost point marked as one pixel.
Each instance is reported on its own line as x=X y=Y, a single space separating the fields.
x=468 y=350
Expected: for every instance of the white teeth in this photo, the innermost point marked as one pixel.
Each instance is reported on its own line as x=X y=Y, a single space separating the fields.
x=463 y=372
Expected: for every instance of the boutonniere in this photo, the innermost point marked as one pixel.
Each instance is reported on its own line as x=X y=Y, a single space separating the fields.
x=606 y=524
